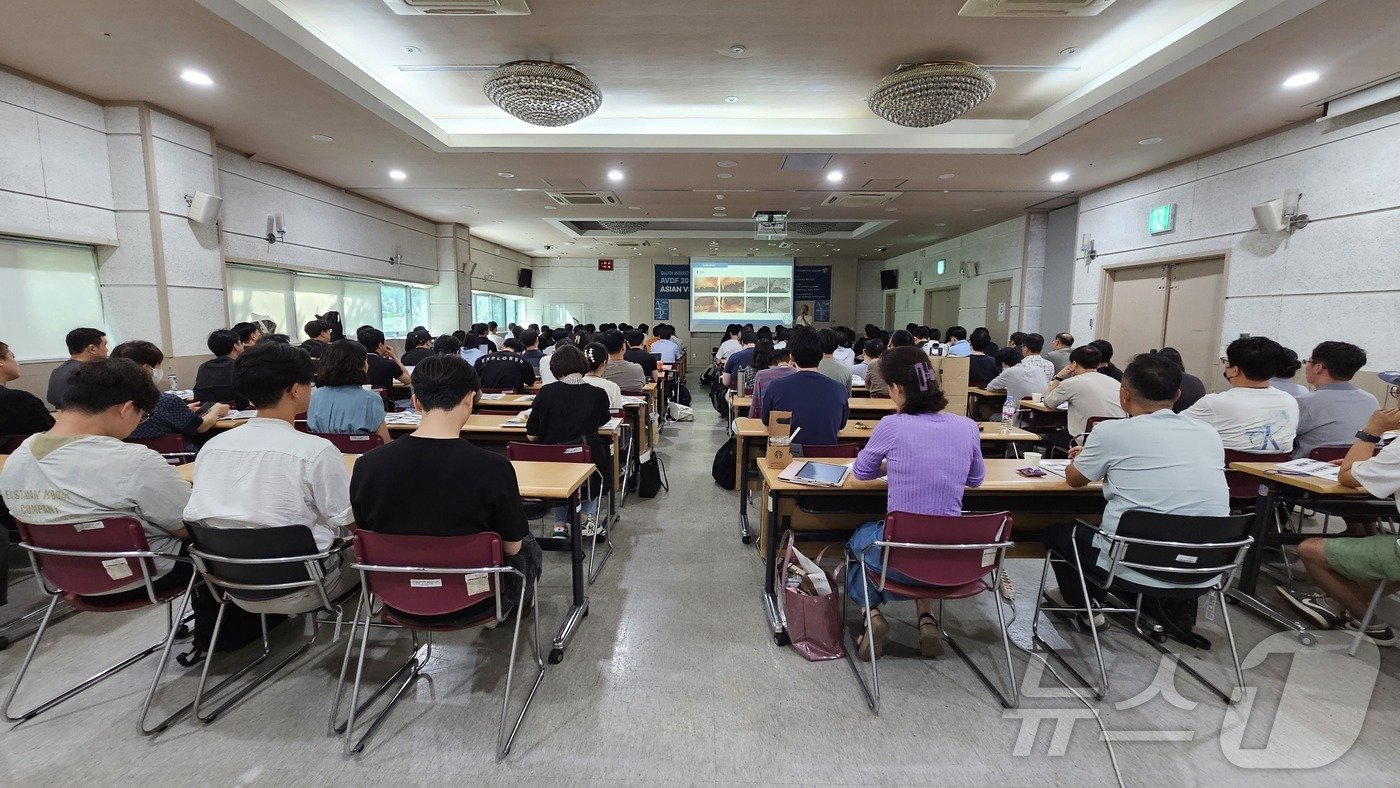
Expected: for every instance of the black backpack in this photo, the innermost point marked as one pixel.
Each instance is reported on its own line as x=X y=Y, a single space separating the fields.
x=683 y=395
x=723 y=468
x=718 y=399
x=652 y=477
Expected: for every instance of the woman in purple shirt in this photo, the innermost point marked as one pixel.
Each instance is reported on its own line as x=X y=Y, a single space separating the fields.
x=930 y=457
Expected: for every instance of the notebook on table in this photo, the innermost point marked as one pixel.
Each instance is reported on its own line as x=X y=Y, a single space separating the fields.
x=816 y=474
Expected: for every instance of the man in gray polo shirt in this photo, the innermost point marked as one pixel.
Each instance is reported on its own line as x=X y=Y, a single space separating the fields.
x=1337 y=409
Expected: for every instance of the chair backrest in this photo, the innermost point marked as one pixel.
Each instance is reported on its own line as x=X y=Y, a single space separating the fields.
x=389 y=405
x=9 y=444
x=545 y=452
x=499 y=391
x=495 y=412
x=170 y=443
x=1328 y=453
x=428 y=593
x=1094 y=421
x=211 y=544
x=85 y=575
x=835 y=450
x=1180 y=549
x=352 y=444
x=945 y=567
x=1244 y=487
x=300 y=424
x=879 y=395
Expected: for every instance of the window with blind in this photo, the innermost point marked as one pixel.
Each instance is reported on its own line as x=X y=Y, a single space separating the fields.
x=292 y=299
x=49 y=289
x=487 y=307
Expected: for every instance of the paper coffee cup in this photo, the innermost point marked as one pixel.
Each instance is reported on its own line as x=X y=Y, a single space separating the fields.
x=1032 y=457
x=1037 y=398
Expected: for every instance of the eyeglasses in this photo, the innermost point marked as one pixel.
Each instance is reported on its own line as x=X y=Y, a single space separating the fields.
x=1225 y=361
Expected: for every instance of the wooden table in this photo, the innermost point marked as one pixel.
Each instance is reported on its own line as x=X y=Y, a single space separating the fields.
x=751 y=440
x=1310 y=491
x=1002 y=490
x=861 y=407
x=976 y=396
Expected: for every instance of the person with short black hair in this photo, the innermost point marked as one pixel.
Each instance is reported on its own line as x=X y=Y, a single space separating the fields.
x=780 y=365
x=1337 y=408
x=1016 y=340
x=84 y=344
x=569 y=410
x=1088 y=394
x=418 y=345
x=447 y=345
x=1192 y=387
x=1106 y=366
x=639 y=355
x=958 y=346
x=384 y=366
x=739 y=359
x=1060 y=346
x=1251 y=416
x=982 y=366
x=332 y=319
x=665 y=345
x=248 y=333
x=483 y=332
x=1031 y=345
x=213 y=382
x=626 y=374
x=494 y=335
x=874 y=381
x=1288 y=366
x=341 y=405
x=506 y=369
x=830 y=340
x=472 y=350
x=845 y=352
x=170 y=415
x=530 y=339
x=21 y=413
x=730 y=344
x=902 y=338
x=1017 y=380
x=1153 y=461
x=81 y=470
x=318 y=333
x=980 y=331
x=819 y=404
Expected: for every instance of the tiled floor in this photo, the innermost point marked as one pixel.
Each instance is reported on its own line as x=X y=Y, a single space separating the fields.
x=674 y=679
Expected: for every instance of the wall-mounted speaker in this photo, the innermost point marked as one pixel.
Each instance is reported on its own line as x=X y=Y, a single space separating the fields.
x=204 y=208
x=1269 y=217
x=524 y=277
x=889 y=279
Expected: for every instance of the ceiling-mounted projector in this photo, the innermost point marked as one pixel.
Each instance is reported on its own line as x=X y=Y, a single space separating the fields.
x=770 y=225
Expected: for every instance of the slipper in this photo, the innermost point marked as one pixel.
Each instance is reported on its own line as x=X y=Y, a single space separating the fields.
x=878 y=632
x=930 y=639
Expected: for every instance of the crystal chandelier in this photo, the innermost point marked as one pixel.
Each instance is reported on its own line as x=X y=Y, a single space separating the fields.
x=930 y=94
x=625 y=228
x=543 y=93
x=812 y=228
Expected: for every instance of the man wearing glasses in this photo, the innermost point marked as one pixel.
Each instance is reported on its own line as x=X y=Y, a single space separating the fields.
x=1337 y=409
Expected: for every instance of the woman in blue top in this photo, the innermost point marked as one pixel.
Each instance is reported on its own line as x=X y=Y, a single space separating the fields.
x=341 y=404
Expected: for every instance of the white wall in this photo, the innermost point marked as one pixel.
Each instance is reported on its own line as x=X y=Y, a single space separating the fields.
x=497 y=268
x=1338 y=278
x=870 y=299
x=1057 y=293
x=1000 y=252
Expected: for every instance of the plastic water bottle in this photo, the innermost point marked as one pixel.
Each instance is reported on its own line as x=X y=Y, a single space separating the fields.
x=1008 y=416
x=174 y=382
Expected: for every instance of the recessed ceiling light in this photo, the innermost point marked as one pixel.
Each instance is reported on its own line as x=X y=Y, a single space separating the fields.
x=719 y=207
x=411 y=50
x=196 y=77
x=505 y=175
x=727 y=163
x=911 y=235
x=941 y=224
x=731 y=99
x=615 y=175
x=1150 y=141
x=1067 y=51
x=673 y=248
x=805 y=208
x=634 y=207
x=978 y=210
x=1059 y=177
x=891 y=210
x=725 y=175
x=568 y=243
x=738 y=49
x=947 y=176
x=550 y=208
x=835 y=176
x=719 y=196
x=322 y=137
x=397 y=175
x=719 y=215
x=1300 y=79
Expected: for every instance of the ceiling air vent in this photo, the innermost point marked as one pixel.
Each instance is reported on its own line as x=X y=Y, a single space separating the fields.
x=860 y=199
x=1036 y=8
x=458 y=7
x=583 y=198
x=632 y=243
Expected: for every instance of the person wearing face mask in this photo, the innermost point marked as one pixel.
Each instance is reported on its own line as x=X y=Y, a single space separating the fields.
x=21 y=413
x=170 y=414
x=1251 y=416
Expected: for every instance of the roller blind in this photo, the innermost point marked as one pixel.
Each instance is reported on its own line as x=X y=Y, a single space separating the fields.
x=48 y=289
x=292 y=299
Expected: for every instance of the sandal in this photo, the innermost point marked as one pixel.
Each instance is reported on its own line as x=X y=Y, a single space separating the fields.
x=930 y=638
x=879 y=630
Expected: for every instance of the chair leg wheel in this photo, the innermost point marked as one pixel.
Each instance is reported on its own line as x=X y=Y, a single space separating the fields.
x=1307 y=639
x=782 y=639
x=556 y=656
x=747 y=539
x=183 y=631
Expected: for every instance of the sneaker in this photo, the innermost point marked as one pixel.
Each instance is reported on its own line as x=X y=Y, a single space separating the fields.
x=1312 y=607
x=1055 y=599
x=1379 y=634
x=590 y=528
x=561 y=531
x=1008 y=591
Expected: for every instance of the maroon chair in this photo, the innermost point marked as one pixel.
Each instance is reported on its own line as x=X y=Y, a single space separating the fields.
x=1243 y=487
x=418 y=582
x=352 y=444
x=1095 y=421
x=171 y=446
x=833 y=451
x=499 y=391
x=389 y=405
x=1328 y=453
x=574 y=453
x=299 y=423
x=937 y=557
x=92 y=567
x=495 y=412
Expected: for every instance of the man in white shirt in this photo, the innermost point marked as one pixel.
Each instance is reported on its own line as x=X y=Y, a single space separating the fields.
x=1031 y=345
x=1087 y=392
x=494 y=335
x=1155 y=461
x=730 y=343
x=265 y=473
x=1250 y=416
x=1347 y=569
x=80 y=471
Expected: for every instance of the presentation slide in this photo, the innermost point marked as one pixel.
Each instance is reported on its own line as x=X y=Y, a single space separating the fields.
x=740 y=291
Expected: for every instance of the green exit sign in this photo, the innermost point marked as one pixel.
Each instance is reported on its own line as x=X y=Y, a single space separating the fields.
x=1162 y=219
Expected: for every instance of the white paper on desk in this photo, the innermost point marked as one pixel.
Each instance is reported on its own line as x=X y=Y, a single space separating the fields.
x=857 y=380
x=492 y=397
x=1318 y=468
x=242 y=414
x=525 y=398
x=613 y=424
x=1056 y=467
x=634 y=400
x=519 y=419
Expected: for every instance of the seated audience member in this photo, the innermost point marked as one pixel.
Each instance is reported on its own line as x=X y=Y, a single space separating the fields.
x=530 y=338
x=1153 y=461
x=1106 y=366
x=21 y=413
x=249 y=333
x=1336 y=409
x=829 y=366
x=627 y=375
x=1087 y=392
x=417 y=346
x=483 y=335
x=494 y=335
x=332 y=320
x=1192 y=387
x=341 y=405
x=1016 y=340
x=902 y=338
x=976 y=332
x=925 y=340
x=571 y=411
x=386 y=486
x=779 y=366
x=1018 y=380
x=1347 y=569
x=1251 y=416
x=639 y=355
x=738 y=360
x=982 y=366
x=214 y=380
x=84 y=344
x=597 y=357
x=1031 y=345
x=267 y=473
x=780 y=337
x=930 y=456
x=318 y=336
x=1060 y=346
x=447 y=345
x=819 y=405
x=384 y=366
x=862 y=366
x=171 y=415
x=506 y=369
x=730 y=344
x=472 y=351
x=762 y=359
x=844 y=353
x=81 y=470
x=558 y=335
x=958 y=346
x=874 y=375
x=1283 y=377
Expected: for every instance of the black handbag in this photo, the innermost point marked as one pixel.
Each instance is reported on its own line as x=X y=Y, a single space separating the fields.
x=723 y=468
x=652 y=478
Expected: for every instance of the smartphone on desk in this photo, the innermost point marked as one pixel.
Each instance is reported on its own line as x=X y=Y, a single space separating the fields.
x=1030 y=472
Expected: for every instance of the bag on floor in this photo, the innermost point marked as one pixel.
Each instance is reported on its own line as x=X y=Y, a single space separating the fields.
x=679 y=412
x=810 y=604
x=709 y=377
x=651 y=478
x=723 y=467
x=719 y=399
x=683 y=394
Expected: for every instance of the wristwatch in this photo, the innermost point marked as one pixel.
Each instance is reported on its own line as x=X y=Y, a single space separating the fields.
x=1363 y=435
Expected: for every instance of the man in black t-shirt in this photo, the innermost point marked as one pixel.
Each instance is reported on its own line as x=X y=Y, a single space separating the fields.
x=384 y=366
x=507 y=369
x=639 y=355
x=476 y=491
